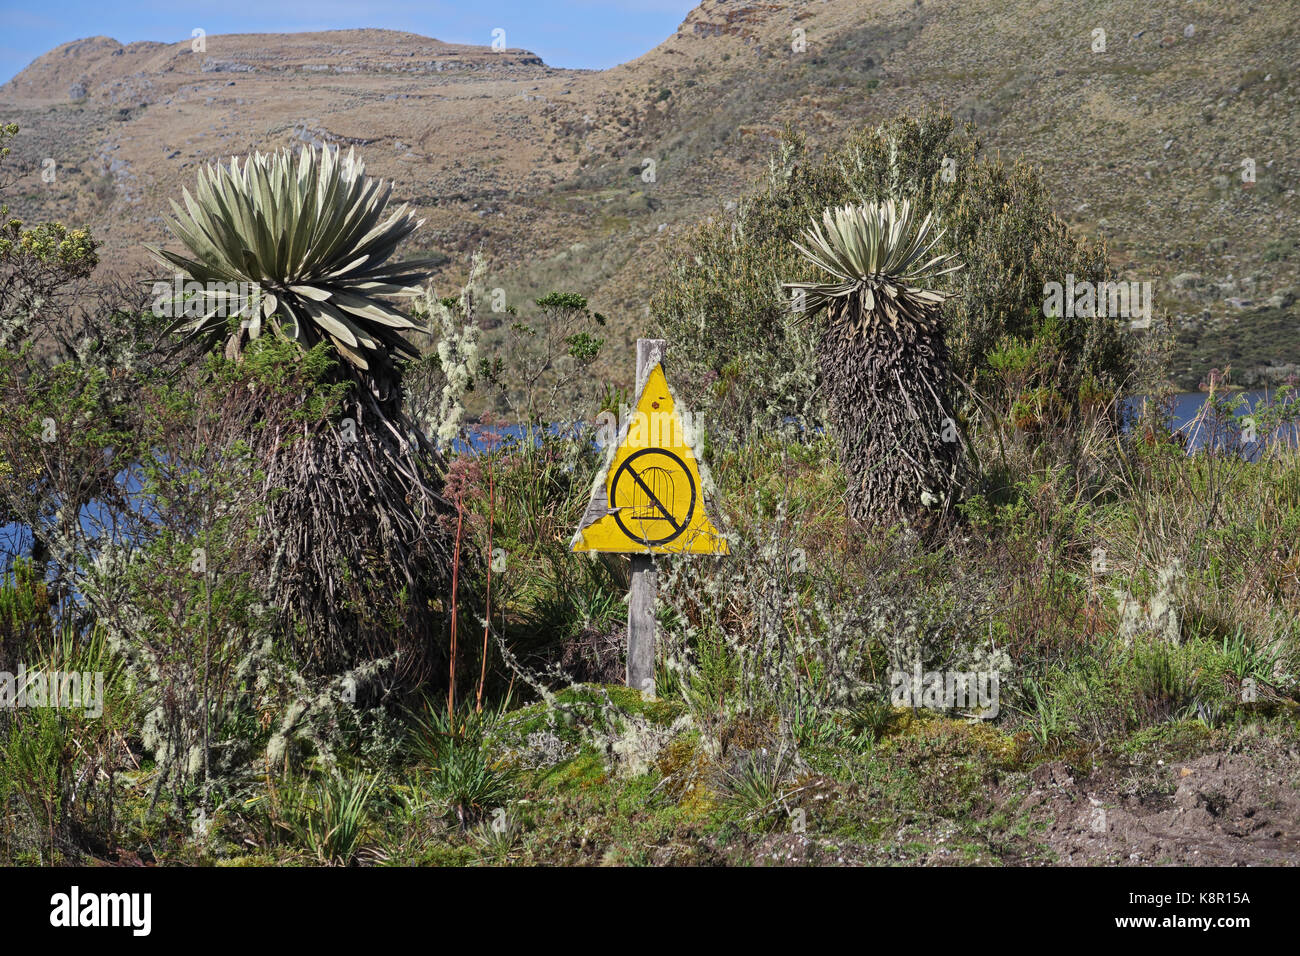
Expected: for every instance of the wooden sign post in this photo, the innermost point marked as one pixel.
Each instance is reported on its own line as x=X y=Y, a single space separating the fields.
x=645 y=579
x=651 y=497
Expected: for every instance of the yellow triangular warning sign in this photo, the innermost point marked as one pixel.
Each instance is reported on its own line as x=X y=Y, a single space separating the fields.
x=651 y=496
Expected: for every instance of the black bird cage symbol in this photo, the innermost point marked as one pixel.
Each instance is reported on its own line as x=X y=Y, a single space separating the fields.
x=653 y=496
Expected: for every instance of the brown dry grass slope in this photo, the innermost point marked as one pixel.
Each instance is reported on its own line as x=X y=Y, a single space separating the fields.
x=1142 y=143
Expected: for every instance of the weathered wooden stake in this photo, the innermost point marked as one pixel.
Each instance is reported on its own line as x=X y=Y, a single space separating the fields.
x=645 y=579
x=641 y=624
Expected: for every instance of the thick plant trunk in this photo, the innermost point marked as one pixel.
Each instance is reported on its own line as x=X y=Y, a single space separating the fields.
x=362 y=552
x=888 y=392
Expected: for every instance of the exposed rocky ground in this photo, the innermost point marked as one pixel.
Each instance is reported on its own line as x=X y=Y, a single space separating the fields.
x=1224 y=808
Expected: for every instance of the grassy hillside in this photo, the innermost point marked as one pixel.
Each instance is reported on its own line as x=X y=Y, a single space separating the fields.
x=1142 y=144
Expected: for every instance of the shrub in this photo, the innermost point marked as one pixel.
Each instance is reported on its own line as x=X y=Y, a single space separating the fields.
x=740 y=356
x=25 y=617
x=58 y=764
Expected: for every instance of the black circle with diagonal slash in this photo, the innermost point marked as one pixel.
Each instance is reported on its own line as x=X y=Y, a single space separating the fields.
x=626 y=472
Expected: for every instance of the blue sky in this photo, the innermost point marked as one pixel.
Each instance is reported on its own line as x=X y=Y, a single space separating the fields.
x=569 y=33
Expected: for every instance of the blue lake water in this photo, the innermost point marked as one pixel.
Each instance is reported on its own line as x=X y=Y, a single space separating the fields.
x=1186 y=421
